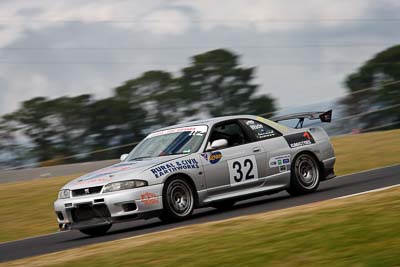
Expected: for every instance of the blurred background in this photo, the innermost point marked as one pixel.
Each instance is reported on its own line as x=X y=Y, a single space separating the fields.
x=85 y=81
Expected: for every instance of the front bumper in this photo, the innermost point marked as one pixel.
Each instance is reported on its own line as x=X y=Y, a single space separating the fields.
x=99 y=209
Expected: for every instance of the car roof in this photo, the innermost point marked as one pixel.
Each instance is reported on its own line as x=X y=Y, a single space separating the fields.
x=209 y=122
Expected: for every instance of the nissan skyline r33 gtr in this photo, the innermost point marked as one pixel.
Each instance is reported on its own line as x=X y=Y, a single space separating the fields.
x=214 y=162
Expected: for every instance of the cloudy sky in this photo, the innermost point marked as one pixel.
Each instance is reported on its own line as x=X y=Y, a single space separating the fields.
x=303 y=50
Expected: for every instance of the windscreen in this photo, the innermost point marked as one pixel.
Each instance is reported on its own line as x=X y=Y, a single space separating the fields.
x=184 y=140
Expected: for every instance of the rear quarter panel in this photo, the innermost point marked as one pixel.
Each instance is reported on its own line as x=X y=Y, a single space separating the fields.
x=320 y=145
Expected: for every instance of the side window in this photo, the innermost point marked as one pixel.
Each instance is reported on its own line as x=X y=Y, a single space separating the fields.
x=230 y=131
x=260 y=130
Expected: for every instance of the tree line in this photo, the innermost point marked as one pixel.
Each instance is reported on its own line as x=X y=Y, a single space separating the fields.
x=214 y=84
x=375 y=92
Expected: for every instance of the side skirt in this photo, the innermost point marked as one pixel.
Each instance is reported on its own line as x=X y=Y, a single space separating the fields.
x=272 y=184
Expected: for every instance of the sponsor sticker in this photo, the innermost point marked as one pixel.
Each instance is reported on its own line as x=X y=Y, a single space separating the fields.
x=254 y=125
x=264 y=134
x=279 y=161
x=299 y=139
x=215 y=157
x=174 y=166
x=204 y=155
x=260 y=130
x=149 y=198
x=194 y=130
x=283 y=168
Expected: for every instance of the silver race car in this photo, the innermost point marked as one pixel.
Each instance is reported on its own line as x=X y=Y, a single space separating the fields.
x=213 y=162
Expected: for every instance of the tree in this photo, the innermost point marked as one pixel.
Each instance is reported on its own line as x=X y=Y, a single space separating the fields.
x=380 y=74
x=54 y=127
x=113 y=122
x=156 y=93
x=215 y=85
x=11 y=154
x=33 y=120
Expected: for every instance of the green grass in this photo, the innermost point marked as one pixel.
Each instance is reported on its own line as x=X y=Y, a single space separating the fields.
x=359 y=231
x=359 y=152
x=27 y=207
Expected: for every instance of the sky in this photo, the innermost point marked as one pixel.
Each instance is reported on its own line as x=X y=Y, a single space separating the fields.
x=302 y=50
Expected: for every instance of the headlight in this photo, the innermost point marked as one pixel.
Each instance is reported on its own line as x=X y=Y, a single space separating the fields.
x=65 y=193
x=124 y=185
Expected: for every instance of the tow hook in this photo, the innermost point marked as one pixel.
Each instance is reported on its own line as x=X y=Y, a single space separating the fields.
x=63 y=226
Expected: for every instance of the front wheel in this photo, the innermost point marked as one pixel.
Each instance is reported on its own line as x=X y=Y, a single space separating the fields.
x=178 y=200
x=305 y=175
x=96 y=231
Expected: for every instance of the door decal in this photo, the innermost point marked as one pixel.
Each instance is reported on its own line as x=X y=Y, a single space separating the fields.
x=279 y=161
x=215 y=157
x=243 y=170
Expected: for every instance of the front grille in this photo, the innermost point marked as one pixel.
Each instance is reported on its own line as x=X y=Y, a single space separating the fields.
x=86 y=212
x=86 y=191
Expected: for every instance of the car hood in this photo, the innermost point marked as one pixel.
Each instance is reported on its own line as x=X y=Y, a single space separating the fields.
x=118 y=172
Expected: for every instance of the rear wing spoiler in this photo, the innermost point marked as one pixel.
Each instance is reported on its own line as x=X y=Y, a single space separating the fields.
x=324 y=116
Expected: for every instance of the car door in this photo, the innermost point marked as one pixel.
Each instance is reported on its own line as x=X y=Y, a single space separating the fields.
x=276 y=157
x=234 y=167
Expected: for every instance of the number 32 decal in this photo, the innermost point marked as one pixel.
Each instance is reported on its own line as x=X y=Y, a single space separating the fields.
x=242 y=170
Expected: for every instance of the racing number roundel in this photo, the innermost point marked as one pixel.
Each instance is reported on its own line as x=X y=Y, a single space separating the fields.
x=243 y=170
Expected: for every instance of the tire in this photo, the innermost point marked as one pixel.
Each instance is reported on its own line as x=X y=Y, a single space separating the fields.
x=97 y=230
x=305 y=175
x=178 y=200
x=223 y=205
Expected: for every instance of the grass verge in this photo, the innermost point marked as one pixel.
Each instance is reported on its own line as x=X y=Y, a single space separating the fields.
x=27 y=207
x=360 y=152
x=357 y=231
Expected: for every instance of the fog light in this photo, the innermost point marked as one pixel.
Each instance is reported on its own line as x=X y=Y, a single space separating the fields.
x=60 y=216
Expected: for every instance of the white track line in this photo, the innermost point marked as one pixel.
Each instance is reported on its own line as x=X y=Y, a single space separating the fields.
x=369 y=191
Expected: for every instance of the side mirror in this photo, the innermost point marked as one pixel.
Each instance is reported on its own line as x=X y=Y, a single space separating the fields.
x=123 y=157
x=218 y=144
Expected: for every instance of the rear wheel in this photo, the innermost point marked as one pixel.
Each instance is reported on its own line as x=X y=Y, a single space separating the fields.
x=178 y=200
x=96 y=231
x=305 y=175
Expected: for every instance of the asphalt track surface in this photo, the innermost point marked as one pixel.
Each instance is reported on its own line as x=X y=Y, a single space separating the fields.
x=340 y=186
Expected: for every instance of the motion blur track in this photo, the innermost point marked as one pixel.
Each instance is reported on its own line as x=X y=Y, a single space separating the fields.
x=341 y=186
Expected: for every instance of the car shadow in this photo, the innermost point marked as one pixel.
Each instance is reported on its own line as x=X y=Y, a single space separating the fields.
x=201 y=215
